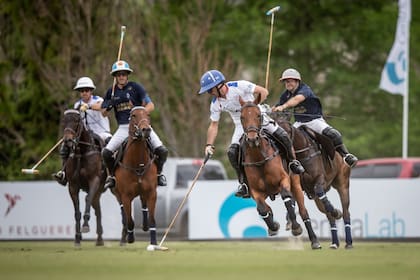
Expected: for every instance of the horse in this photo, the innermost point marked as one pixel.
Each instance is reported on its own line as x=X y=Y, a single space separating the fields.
x=324 y=168
x=136 y=175
x=266 y=175
x=84 y=171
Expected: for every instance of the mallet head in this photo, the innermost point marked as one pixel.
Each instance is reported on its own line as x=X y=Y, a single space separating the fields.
x=30 y=171
x=273 y=10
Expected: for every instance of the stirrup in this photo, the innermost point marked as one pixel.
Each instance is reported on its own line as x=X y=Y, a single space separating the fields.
x=350 y=160
x=161 y=179
x=60 y=177
x=109 y=182
x=296 y=167
x=243 y=191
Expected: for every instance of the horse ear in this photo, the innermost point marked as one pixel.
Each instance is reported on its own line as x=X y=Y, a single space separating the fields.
x=257 y=99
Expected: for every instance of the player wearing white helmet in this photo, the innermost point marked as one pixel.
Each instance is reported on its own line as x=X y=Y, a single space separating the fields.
x=226 y=99
x=90 y=106
x=308 y=111
x=124 y=96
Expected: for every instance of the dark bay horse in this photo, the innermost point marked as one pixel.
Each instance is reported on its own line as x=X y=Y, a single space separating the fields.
x=84 y=171
x=324 y=168
x=136 y=176
x=266 y=175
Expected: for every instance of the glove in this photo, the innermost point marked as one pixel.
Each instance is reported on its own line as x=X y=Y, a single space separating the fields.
x=83 y=107
x=209 y=150
x=109 y=107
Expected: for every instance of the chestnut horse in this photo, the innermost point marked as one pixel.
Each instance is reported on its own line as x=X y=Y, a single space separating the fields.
x=324 y=168
x=136 y=176
x=266 y=175
x=84 y=171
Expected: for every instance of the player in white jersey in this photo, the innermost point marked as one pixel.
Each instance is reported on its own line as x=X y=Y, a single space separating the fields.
x=226 y=99
x=90 y=106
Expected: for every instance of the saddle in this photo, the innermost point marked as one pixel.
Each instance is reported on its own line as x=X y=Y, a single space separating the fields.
x=324 y=144
x=119 y=153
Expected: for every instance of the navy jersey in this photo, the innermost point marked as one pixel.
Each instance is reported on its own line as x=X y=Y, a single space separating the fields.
x=307 y=110
x=132 y=94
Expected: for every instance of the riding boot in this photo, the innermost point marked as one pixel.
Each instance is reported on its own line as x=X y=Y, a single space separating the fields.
x=233 y=155
x=60 y=176
x=283 y=140
x=337 y=140
x=162 y=154
x=109 y=161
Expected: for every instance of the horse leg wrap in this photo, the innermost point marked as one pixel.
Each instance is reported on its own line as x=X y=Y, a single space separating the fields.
x=162 y=154
x=309 y=229
x=347 y=229
x=290 y=209
x=334 y=235
x=268 y=219
x=327 y=204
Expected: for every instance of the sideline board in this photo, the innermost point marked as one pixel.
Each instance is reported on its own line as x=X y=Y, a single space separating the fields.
x=44 y=210
x=379 y=208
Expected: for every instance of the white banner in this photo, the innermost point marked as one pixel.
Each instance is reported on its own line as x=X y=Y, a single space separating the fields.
x=394 y=76
x=379 y=208
x=44 y=210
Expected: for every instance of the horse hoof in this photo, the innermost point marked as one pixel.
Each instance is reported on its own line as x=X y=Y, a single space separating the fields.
x=100 y=242
x=130 y=238
x=334 y=246
x=349 y=246
x=288 y=226
x=77 y=244
x=316 y=245
x=145 y=228
x=275 y=230
x=85 y=229
x=296 y=230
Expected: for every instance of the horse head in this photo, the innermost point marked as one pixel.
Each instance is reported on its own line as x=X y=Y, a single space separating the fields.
x=73 y=127
x=139 y=123
x=251 y=119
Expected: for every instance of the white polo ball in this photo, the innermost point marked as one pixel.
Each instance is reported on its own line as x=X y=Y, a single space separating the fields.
x=150 y=247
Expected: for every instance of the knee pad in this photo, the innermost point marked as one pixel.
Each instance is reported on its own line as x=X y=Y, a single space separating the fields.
x=233 y=155
x=334 y=135
x=161 y=152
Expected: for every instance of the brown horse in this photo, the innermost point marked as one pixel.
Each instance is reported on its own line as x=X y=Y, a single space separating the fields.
x=324 y=168
x=136 y=176
x=84 y=171
x=265 y=173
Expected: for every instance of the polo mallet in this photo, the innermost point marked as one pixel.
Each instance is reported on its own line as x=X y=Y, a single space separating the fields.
x=270 y=12
x=160 y=247
x=33 y=170
x=123 y=28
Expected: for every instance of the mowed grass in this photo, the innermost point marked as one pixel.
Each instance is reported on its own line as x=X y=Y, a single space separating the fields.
x=198 y=260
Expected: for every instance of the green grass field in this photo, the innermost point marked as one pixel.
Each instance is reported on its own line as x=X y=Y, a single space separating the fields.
x=272 y=259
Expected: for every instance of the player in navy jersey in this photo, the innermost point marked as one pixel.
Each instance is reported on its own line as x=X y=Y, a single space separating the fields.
x=308 y=111
x=126 y=95
x=226 y=99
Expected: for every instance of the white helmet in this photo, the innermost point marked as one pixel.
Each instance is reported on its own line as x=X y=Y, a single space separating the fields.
x=120 y=65
x=290 y=74
x=84 y=82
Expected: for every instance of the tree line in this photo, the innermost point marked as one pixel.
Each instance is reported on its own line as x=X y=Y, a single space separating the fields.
x=339 y=47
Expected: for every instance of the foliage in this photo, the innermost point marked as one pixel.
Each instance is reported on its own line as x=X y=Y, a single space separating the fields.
x=339 y=47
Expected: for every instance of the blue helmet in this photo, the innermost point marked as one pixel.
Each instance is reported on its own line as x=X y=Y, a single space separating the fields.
x=210 y=79
x=120 y=65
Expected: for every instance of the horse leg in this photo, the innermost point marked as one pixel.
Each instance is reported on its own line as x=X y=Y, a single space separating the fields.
x=99 y=230
x=288 y=202
x=151 y=221
x=145 y=213
x=303 y=212
x=267 y=215
x=329 y=208
x=74 y=194
x=345 y=202
x=128 y=218
x=86 y=215
x=335 y=243
x=123 y=240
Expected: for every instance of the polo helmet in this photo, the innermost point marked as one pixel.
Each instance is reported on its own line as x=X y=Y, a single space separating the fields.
x=290 y=74
x=120 y=65
x=210 y=79
x=84 y=82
